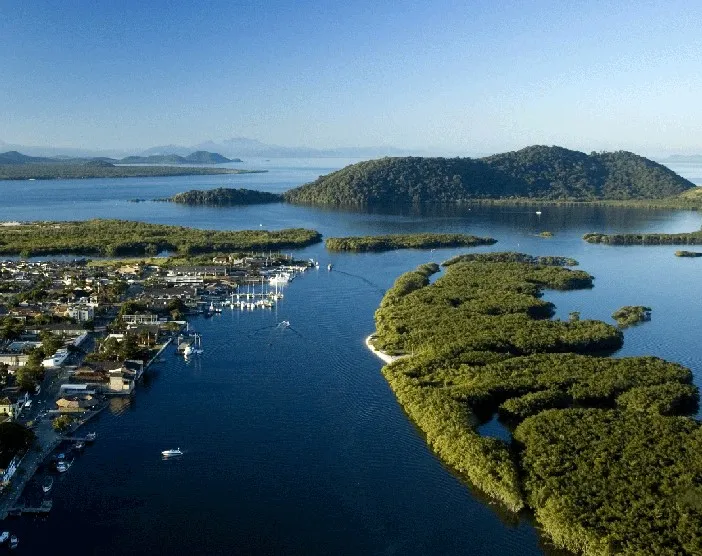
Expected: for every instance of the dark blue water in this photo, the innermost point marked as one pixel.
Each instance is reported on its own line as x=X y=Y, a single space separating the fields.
x=293 y=442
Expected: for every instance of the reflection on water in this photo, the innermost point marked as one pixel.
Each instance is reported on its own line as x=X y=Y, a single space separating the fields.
x=120 y=404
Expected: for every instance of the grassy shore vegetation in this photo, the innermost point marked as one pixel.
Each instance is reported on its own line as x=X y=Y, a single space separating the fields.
x=102 y=170
x=224 y=197
x=480 y=342
x=405 y=241
x=120 y=237
x=631 y=314
x=534 y=173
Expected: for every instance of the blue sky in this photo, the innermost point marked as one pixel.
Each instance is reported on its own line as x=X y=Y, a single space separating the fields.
x=464 y=77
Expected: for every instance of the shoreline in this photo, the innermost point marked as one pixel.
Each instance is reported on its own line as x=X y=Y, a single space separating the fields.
x=33 y=459
x=386 y=357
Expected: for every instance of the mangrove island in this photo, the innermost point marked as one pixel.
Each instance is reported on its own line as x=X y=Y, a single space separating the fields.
x=405 y=241
x=603 y=450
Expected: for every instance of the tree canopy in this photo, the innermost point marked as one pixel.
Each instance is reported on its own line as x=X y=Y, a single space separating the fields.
x=603 y=452
x=537 y=172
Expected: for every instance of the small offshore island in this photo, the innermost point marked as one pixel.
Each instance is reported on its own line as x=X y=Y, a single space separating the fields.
x=224 y=197
x=631 y=314
x=603 y=451
x=405 y=241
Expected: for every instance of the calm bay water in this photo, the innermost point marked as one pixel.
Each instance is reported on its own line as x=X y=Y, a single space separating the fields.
x=293 y=442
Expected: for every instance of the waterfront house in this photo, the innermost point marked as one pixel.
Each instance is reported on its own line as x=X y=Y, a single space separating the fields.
x=9 y=408
x=121 y=382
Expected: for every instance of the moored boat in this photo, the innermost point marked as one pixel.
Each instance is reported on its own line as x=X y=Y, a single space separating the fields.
x=90 y=437
x=14 y=541
x=63 y=466
x=48 y=484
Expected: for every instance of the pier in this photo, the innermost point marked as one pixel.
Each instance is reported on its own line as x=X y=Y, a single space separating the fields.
x=44 y=508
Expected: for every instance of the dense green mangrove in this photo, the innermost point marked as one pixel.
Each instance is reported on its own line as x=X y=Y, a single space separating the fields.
x=631 y=314
x=479 y=341
x=123 y=238
x=684 y=238
x=405 y=241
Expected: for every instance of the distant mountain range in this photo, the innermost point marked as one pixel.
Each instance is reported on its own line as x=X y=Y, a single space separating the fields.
x=234 y=147
x=198 y=157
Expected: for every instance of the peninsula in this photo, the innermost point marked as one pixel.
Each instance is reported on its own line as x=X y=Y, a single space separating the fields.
x=405 y=241
x=536 y=173
x=121 y=237
x=604 y=451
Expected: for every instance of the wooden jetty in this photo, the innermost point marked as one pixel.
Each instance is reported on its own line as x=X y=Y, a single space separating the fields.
x=43 y=508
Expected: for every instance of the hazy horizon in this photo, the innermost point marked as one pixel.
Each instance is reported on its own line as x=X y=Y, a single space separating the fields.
x=444 y=77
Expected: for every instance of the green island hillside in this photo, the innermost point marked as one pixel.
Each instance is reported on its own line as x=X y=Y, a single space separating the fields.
x=103 y=169
x=121 y=237
x=603 y=452
x=224 y=197
x=533 y=173
x=405 y=241
x=17 y=166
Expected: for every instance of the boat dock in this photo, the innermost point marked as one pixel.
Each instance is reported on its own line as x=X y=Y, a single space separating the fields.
x=44 y=508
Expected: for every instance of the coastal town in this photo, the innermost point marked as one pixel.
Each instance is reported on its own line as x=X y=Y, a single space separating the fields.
x=76 y=334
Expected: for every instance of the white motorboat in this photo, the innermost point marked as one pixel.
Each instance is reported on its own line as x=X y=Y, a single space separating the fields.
x=172 y=453
x=90 y=437
x=14 y=541
x=282 y=278
x=63 y=466
x=47 y=486
x=4 y=537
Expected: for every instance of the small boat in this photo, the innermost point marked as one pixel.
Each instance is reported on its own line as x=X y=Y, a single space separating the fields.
x=63 y=466
x=538 y=212
x=14 y=541
x=79 y=445
x=48 y=485
x=329 y=266
x=90 y=437
x=171 y=453
x=4 y=537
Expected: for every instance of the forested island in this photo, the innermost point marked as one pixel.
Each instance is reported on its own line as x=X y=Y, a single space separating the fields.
x=109 y=238
x=224 y=197
x=534 y=173
x=17 y=166
x=405 y=241
x=198 y=157
x=631 y=314
x=106 y=170
x=604 y=451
